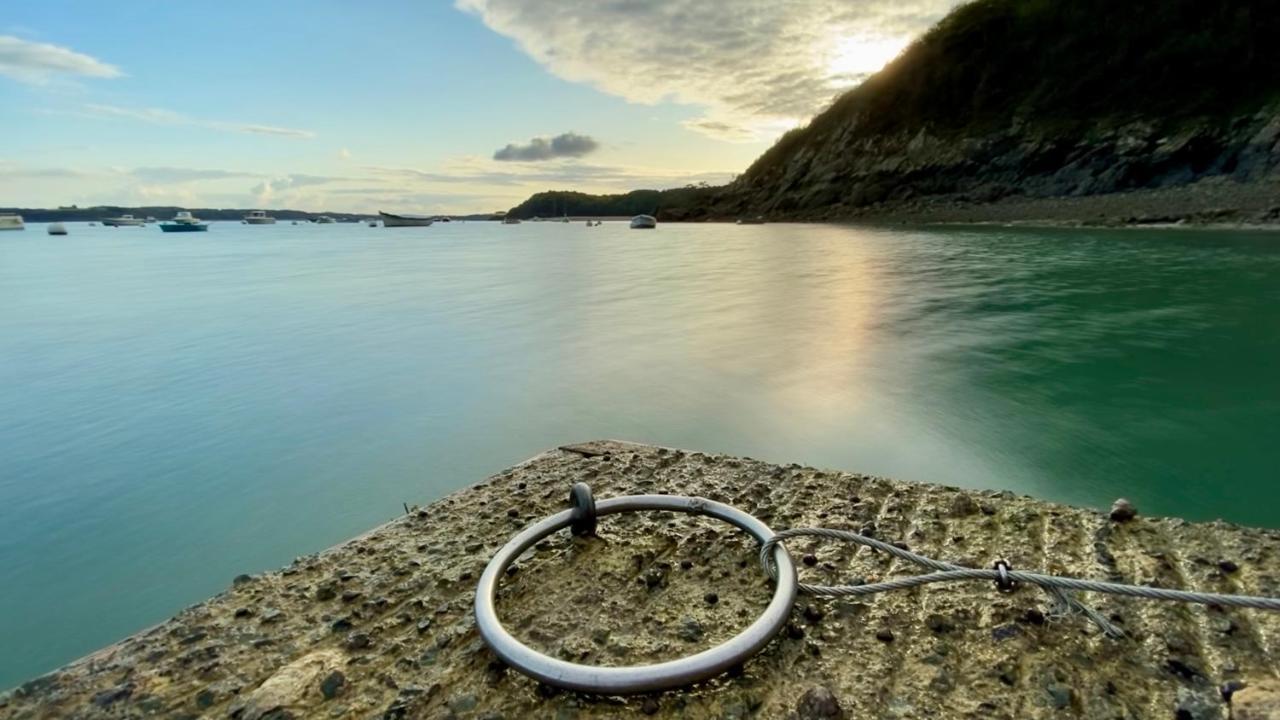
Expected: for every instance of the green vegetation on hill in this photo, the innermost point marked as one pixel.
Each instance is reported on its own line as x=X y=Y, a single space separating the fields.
x=667 y=204
x=1061 y=65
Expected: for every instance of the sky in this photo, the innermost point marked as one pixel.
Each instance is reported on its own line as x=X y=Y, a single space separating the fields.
x=431 y=106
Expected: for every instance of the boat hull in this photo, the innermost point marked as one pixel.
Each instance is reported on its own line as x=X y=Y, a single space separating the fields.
x=644 y=222
x=389 y=220
x=57 y=229
x=184 y=227
x=117 y=222
x=260 y=221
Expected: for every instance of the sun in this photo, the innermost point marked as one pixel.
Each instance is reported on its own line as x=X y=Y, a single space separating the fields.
x=862 y=54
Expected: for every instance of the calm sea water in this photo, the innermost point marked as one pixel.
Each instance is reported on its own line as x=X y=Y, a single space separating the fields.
x=178 y=409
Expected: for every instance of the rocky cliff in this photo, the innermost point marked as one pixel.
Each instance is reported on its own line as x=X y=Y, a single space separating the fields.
x=1016 y=101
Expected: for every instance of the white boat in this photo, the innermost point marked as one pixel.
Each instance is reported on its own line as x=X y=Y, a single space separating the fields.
x=11 y=222
x=123 y=221
x=259 y=217
x=57 y=229
x=390 y=220
x=325 y=220
x=644 y=222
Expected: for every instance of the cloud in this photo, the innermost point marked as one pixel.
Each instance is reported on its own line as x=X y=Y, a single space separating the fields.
x=567 y=145
x=14 y=171
x=160 y=116
x=183 y=175
x=579 y=176
x=268 y=189
x=753 y=69
x=38 y=63
x=265 y=130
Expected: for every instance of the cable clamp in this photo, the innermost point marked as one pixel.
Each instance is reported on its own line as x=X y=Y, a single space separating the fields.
x=1004 y=583
x=584 y=510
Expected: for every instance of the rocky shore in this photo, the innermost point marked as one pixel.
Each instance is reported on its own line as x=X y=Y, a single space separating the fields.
x=1210 y=203
x=1140 y=173
x=381 y=626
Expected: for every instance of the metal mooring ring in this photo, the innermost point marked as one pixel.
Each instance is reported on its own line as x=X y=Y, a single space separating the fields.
x=637 y=678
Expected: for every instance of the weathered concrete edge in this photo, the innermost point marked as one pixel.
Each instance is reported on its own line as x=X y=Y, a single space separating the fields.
x=895 y=505
x=589 y=448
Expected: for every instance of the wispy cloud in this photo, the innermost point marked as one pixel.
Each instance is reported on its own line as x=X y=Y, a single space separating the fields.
x=265 y=130
x=14 y=171
x=155 y=175
x=566 y=145
x=38 y=63
x=266 y=190
x=184 y=175
x=578 y=175
x=160 y=116
x=149 y=115
x=754 y=67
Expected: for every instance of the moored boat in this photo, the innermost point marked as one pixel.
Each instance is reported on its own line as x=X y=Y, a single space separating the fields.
x=184 y=222
x=57 y=229
x=325 y=220
x=125 y=220
x=11 y=222
x=644 y=222
x=392 y=220
x=510 y=221
x=259 y=217
x=757 y=220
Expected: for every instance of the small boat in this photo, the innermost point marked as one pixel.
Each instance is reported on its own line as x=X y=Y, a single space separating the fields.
x=259 y=217
x=11 y=222
x=184 y=222
x=150 y=219
x=510 y=221
x=373 y=223
x=390 y=220
x=57 y=229
x=123 y=221
x=325 y=220
x=644 y=222
x=757 y=220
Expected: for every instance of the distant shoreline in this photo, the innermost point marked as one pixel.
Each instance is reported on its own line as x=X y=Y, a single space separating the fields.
x=165 y=212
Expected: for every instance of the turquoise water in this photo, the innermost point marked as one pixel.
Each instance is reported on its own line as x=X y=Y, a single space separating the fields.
x=177 y=410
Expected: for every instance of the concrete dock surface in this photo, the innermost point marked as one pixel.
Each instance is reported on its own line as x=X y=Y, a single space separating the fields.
x=381 y=626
